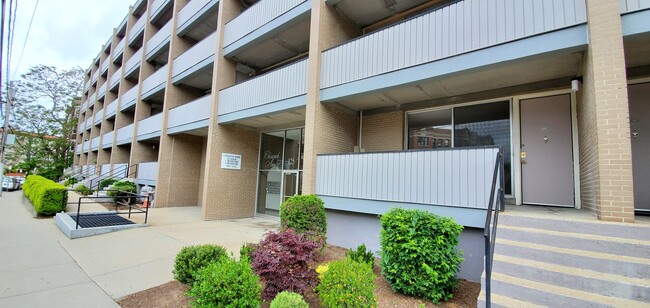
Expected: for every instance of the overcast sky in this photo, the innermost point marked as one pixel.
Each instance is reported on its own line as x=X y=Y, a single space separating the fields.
x=64 y=33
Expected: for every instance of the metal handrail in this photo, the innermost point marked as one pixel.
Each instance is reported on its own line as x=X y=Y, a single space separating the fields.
x=491 y=220
x=123 y=194
x=128 y=170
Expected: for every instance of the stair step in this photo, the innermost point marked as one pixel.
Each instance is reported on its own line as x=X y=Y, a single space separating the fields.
x=504 y=301
x=601 y=244
x=614 y=230
x=585 y=260
x=553 y=295
x=574 y=278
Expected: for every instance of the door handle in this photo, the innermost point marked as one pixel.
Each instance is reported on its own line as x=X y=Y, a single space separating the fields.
x=523 y=161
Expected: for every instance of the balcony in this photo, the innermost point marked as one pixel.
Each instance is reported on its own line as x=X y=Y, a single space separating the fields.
x=95 y=77
x=159 y=42
x=104 y=67
x=81 y=127
x=92 y=99
x=196 y=58
x=84 y=106
x=101 y=91
x=193 y=13
x=154 y=83
x=133 y=63
x=629 y=6
x=150 y=127
x=450 y=182
x=115 y=79
x=192 y=116
x=137 y=31
x=129 y=98
x=107 y=140
x=89 y=122
x=158 y=7
x=98 y=118
x=280 y=90
x=79 y=148
x=86 y=147
x=87 y=86
x=118 y=52
x=148 y=173
x=462 y=36
x=124 y=135
x=111 y=109
x=261 y=19
x=94 y=144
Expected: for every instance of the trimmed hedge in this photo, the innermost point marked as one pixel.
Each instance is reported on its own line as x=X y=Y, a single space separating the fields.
x=192 y=258
x=348 y=283
x=226 y=283
x=305 y=214
x=47 y=196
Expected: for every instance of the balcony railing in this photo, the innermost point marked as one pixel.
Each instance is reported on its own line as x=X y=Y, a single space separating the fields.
x=89 y=122
x=94 y=143
x=129 y=98
x=197 y=57
x=628 y=6
x=84 y=106
x=133 y=62
x=98 y=117
x=158 y=7
x=150 y=127
x=459 y=177
x=79 y=148
x=255 y=17
x=104 y=66
x=191 y=12
x=159 y=40
x=101 y=91
x=124 y=134
x=148 y=173
x=458 y=28
x=119 y=50
x=137 y=29
x=92 y=99
x=192 y=115
x=111 y=109
x=107 y=139
x=81 y=127
x=115 y=78
x=154 y=83
x=86 y=146
x=284 y=83
x=95 y=77
x=87 y=86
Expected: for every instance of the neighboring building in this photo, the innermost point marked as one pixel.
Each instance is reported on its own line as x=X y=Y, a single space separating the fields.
x=233 y=108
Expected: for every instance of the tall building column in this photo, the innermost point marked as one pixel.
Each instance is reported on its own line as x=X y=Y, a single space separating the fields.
x=603 y=118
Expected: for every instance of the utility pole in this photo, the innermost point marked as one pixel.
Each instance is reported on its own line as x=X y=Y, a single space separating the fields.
x=5 y=131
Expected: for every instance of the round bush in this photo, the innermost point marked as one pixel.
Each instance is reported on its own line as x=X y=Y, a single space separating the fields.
x=348 y=283
x=192 y=258
x=418 y=253
x=305 y=214
x=122 y=190
x=288 y=300
x=83 y=190
x=106 y=182
x=227 y=283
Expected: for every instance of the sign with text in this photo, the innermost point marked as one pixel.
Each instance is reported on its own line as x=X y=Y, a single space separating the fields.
x=230 y=161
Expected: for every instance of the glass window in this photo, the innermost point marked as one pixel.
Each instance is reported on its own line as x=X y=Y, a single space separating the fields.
x=435 y=125
x=271 y=151
x=292 y=149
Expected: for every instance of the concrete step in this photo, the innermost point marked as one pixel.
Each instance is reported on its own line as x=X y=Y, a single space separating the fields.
x=550 y=261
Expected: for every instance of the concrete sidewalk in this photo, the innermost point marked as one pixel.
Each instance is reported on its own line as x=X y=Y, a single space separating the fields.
x=40 y=267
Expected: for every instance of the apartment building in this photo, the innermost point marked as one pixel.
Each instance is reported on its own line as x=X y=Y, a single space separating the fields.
x=234 y=106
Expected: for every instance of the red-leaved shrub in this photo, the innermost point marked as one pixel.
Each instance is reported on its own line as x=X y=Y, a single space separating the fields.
x=282 y=261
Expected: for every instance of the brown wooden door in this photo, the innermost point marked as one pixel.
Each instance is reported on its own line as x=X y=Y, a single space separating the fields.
x=639 y=98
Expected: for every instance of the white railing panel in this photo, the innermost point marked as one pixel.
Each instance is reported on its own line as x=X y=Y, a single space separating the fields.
x=150 y=125
x=156 y=79
x=95 y=76
x=628 y=6
x=256 y=16
x=455 y=177
x=134 y=61
x=125 y=134
x=98 y=117
x=107 y=139
x=94 y=143
x=119 y=48
x=286 y=82
x=148 y=171
x=111 y=109
x=129 y=98
x=79 y=147
x=101 y=90
x=104 y=65
x=191 y=112
x=104 y=169
x=157 y=5
x=92 y=99
x=87 y=85
x=115 y=78
x=86 y=146
x=89 y=122
x=137 y=27
x=454 y=29
x=198 y=53
x=192 y=9
x=160 y=38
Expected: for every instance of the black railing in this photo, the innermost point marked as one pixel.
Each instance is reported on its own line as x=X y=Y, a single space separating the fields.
x=119 y=173
x=495 y=205
x=123 y=198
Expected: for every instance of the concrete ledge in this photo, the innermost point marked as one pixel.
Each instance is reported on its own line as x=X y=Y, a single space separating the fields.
x=29 y=206
x=67 y=226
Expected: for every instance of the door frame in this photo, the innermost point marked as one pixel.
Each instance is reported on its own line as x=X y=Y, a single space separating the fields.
x=297 y=182
x=516 y=140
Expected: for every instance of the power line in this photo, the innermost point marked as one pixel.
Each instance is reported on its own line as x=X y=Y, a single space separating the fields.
x=26 y=37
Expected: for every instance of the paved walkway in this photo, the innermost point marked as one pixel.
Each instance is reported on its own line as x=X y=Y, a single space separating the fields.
x=40 y=267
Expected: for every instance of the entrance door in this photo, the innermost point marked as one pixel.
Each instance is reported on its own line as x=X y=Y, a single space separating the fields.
x=547 y=151
x=290 y=186
x=639 y=98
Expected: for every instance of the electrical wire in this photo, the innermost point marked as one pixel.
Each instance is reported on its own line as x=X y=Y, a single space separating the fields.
x=26 y=37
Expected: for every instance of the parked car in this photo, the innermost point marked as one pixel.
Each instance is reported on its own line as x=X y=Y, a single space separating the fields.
x=10 y=184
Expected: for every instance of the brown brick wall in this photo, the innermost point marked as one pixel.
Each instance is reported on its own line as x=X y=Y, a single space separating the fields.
x=178 y=167
x=383 y=132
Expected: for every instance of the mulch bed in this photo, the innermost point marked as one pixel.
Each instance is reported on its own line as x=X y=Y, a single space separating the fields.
x=171 y=294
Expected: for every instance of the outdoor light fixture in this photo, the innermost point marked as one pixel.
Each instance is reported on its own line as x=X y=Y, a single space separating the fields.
x=575 y=84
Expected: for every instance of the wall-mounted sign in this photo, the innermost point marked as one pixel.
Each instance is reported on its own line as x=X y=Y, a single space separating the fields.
x=230 y=161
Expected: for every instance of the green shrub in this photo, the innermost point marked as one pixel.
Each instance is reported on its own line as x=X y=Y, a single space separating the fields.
x=122 y=190
x=83 y=190
x=47 y=196
x=226 y=283
x=305 y=214
x=246 y=251
x=192 y=258
x=418 y=253
x=362 y=255
x=348 y=283
x=288 y=299
x=106 y=182
x=70 y=181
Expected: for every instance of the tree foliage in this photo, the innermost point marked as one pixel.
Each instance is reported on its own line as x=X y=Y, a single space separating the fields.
x=43 y=121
